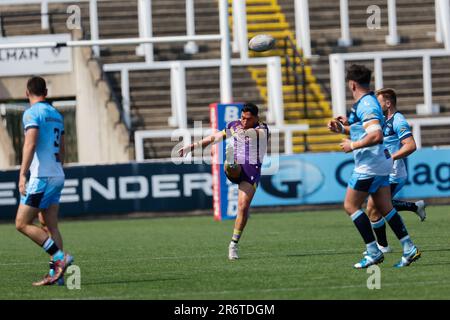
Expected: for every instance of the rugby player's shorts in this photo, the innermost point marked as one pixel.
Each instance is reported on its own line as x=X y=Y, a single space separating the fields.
x=367 y=183
x=249 y=172
x=43 y=192
x=396 y=185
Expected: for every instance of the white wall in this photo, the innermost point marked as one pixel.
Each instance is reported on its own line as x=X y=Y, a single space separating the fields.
x=100 y=140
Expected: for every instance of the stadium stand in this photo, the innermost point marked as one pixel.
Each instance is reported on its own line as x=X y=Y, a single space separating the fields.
x=416 y=28
x=265 y=16
x=150 y=90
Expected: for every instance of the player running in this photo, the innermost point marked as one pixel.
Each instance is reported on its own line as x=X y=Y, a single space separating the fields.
x=399 y=141
x=43 y=151
x=373 y=164
x=244 y=157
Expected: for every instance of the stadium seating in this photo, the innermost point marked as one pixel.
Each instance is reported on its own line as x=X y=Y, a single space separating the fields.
x=264 y=16
x=416 y=27
x=150 y=90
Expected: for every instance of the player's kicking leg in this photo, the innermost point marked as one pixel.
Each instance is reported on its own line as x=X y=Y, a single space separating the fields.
x=352 y=204
x=246 y=193
x=383 y=203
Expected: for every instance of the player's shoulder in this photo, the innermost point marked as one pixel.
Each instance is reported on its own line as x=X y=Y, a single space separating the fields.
x=398 y=116
x=400 y=124
x=32 y=109
x=368 y=108
x=399 y=119
x=369 y=101
x=32 y=113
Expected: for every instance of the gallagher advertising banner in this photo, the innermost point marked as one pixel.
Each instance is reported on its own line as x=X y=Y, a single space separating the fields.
x=166 y=187
x=322 y=178
x=123 y=188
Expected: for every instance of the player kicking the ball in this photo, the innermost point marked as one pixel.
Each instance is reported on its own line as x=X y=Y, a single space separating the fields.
x=244 y=157
x=373 y=164
x=42 y=155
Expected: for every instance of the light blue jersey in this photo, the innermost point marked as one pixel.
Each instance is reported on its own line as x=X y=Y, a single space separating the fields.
x=374 y=160
x=396 y=129
x=46 y=161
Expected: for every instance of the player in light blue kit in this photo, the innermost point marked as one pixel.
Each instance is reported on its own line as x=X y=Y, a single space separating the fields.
x=400 y=143
x=43 y=151
x=373 y=164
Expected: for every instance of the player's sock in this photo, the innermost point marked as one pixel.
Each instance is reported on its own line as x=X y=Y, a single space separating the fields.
x=404 y=205
x=51 y=248
x=362 y=223
x=236 y=235
x=407 y=244
x=399 y=228
x=379 y=227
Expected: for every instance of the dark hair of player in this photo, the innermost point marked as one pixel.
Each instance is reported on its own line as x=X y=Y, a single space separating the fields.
x=388 y=94
x=36 y=86
x=360 y=74
x=250 y=107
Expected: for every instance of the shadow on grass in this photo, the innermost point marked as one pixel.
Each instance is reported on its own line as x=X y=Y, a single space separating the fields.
x=330 y=253
x=93 y=283
x=421 y=263
x=435 y=250
x=336 y=253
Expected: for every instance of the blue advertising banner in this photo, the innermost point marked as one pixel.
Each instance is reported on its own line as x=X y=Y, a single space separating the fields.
x=317 y=178
x=122 y=188
x=322 y=178
x=305 y=179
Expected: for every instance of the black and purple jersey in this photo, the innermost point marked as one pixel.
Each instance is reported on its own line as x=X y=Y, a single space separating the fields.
x=249 y=148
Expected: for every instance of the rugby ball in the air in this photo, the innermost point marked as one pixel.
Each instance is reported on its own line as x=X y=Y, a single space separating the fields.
x=261 y=42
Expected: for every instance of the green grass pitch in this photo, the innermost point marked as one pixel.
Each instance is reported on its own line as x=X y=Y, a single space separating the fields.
x=302 y=255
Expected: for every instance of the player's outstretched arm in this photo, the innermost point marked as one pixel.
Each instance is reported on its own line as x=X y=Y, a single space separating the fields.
x=374 y=136
x=214 y=138
x=29 y=146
